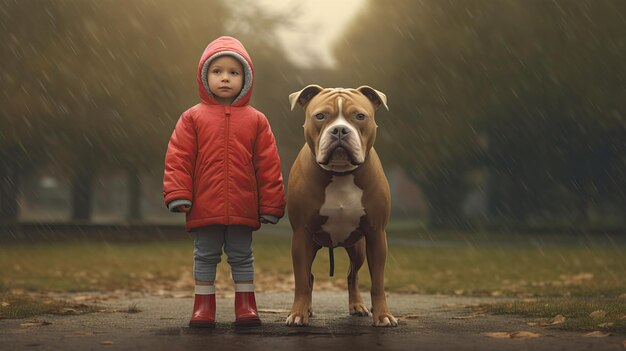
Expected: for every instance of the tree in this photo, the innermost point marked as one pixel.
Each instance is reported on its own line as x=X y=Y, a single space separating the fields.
x=91 y=85
x=532 y=90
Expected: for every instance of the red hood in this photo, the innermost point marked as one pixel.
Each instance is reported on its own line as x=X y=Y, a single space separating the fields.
x=228 y=45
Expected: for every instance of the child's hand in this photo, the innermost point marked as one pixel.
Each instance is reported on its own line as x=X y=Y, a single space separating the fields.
x=183 y=208
x=268 y=219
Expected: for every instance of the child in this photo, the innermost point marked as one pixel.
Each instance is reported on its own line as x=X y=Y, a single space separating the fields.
x=222 y=169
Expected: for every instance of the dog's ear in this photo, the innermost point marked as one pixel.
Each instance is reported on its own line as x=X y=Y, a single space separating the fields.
x=376 y=97
x=305 y=95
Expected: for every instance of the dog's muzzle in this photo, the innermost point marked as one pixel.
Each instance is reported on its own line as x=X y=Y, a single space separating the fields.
x=339 y=146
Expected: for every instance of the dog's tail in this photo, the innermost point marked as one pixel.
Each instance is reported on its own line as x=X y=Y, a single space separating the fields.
x=331 y=258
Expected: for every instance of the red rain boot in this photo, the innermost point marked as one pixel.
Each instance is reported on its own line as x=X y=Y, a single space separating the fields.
x=203 y=311
x=246 y=314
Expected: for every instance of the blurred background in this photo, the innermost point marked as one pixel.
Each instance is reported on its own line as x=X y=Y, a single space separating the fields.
x=503 y=114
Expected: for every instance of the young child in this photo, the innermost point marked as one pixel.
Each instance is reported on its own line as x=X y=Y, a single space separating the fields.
x=222 y=169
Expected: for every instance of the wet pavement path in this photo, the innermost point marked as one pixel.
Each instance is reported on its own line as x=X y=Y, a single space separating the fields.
x=426 y=322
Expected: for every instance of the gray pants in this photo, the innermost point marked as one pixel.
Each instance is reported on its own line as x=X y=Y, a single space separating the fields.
x=207 y=253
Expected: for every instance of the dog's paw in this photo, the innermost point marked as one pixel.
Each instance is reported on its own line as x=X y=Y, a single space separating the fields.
x=297 y=320
x=359 y=309
x=385 y=320
x=299 y=315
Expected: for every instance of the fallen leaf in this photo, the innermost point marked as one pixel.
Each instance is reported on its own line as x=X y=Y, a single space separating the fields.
x=35 y=323
x=597 y=334
x=597 y=314
x=532 y=324
x=558 y=319
x=81 y=297
x=5 y=304
x=513 y=335
x=409 y=316
x=606 y=325
x=469 y=316
x=453 y=305
x=106 y=342
x=497 y=335
x=274 y=310
x=525 y=335
x=459 y=292
x=182 y=295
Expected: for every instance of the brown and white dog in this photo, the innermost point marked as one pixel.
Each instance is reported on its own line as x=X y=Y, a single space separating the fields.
x=338 y=195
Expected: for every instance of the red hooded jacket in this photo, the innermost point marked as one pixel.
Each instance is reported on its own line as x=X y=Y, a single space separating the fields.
x=223 y=159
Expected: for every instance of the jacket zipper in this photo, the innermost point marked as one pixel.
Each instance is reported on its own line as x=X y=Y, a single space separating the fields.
x=227 y=161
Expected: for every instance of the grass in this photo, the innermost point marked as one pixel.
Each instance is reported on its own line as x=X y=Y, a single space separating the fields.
x=565 y=268
x=22 y=306
x=582 y=314
x=465 y=268
x=133 y=308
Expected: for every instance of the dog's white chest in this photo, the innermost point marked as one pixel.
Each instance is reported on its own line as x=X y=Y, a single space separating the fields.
x=343 y=206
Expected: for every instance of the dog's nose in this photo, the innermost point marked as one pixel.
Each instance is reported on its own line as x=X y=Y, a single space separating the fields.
x=340 y=131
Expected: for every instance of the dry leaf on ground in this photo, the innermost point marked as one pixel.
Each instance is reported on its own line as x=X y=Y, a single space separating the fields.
x=606 y=325
x=469 y=316
x=409 y=316
x=498 y=335
x=5 y=304
x=597 y=314
x=596 y=334
x=106 y=342
x=525 y=335
x=180 y=295
x=35 y=323
x=522 y=334
x=453 y=305
x=274 y=310
x=558 y=319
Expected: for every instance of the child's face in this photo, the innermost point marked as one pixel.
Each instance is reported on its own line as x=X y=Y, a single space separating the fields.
x=225 y=79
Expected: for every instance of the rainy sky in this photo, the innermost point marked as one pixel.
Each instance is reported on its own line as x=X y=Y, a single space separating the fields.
x=317 y=25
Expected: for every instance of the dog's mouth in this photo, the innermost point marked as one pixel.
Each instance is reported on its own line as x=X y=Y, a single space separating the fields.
x=339 y=155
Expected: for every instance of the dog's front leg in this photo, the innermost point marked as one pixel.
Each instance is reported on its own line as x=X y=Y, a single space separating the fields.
x=376 y=256
x=356 y=253
x=302 y=254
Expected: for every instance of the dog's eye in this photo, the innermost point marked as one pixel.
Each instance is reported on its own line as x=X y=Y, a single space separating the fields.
x=320 y=116
x=360 y=116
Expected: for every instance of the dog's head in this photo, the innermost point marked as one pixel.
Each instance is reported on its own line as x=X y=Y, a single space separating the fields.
x=339 y=126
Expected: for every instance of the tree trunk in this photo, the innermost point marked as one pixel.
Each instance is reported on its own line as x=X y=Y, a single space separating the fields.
x=134 y=195
x=9 y=185
x=82 y=193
